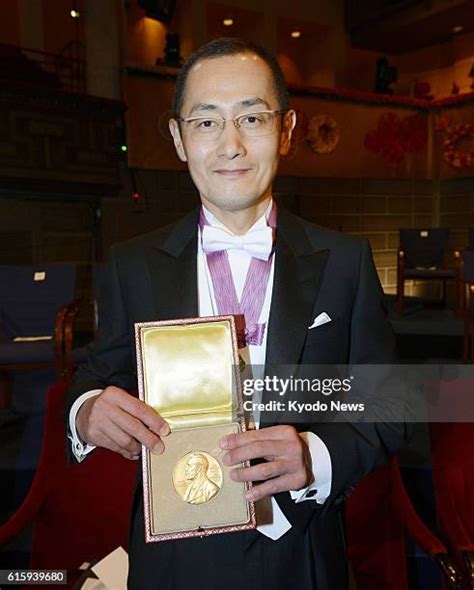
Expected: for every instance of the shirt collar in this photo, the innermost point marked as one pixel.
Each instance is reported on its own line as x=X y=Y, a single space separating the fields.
x=262 y=221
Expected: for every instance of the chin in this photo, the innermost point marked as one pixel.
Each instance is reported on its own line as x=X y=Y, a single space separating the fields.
x=238 y=204
x=231 y=203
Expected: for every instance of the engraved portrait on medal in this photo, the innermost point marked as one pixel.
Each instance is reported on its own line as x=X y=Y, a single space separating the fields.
x=197 y=477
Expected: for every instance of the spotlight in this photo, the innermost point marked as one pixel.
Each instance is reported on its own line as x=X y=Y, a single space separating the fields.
x=457 y=29
x=228 y=22
x=296 y=34
x=74 y=14
x=124 y=148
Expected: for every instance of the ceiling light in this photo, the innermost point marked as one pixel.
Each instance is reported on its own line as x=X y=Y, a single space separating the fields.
x=228 y=22
x=74 y=14
x=296 y=34
x=458 y=29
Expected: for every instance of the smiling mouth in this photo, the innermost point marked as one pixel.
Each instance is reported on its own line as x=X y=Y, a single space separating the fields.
x=232 y=173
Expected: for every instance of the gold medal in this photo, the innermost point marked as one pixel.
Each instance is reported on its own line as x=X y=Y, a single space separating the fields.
x=197 y=477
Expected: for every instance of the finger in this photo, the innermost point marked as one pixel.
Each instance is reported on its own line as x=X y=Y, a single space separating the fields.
x=102 y=429
x=136 y=408
x=267 y=449
x=126 y=453
x=148 y=416
x=111 y=445
x=137 y=430
x=260 y=472
x=239 y=439
x=124 y=440
x=268 y=488
x=109 y=408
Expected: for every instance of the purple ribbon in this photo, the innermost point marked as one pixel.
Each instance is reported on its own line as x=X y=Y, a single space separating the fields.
x=253 y=294
x=254 y=334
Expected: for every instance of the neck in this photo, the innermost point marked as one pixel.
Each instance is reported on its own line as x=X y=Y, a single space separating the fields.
x=238 y=222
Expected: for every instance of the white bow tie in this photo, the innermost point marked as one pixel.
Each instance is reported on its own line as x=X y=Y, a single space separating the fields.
x=258 y=243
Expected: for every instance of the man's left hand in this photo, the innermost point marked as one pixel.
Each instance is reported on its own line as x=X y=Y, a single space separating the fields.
x=287 y=458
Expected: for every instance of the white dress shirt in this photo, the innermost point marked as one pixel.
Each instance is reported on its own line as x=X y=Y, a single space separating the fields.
x=270 y=518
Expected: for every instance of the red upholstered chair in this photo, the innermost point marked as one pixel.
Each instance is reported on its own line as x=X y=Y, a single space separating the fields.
x=376 y=545
x=80 y=511
x=453 y=474
x=378 y=515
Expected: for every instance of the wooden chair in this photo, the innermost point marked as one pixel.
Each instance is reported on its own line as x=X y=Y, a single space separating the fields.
x=422 y=255
x=80 y=511
x=76 y=355
x=467 y=299
x=34 y=304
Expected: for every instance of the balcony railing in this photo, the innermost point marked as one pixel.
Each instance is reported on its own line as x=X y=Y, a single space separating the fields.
x=64 y=71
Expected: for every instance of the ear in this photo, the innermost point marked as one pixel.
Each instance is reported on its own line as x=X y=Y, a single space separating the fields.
x=288 y=125
x=178 y=142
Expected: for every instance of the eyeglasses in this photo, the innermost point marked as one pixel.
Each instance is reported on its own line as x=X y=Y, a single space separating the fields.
x=249 y=124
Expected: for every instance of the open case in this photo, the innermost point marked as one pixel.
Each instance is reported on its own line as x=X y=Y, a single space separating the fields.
x=188 y=371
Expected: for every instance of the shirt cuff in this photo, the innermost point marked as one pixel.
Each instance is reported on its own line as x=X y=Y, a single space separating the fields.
x=79 y=448
x=320 y=486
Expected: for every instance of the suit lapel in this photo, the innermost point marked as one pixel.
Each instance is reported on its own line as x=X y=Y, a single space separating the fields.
x=299 y=269
x=173 y=270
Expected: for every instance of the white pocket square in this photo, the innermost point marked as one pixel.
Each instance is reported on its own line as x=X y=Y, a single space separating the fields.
x=320 y=320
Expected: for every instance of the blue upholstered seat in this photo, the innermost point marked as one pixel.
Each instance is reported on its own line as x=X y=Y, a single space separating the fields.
x=14 y=353
x=31 y=300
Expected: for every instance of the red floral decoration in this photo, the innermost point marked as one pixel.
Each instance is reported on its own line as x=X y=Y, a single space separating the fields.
x=455 y=157
x=394 y=138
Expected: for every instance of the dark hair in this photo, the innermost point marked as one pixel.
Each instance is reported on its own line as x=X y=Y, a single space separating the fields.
x=230 y=46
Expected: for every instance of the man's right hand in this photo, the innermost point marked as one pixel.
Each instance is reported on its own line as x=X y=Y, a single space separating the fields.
x=122 y=423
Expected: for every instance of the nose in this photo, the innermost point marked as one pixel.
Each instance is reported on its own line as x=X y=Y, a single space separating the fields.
x=231 y=143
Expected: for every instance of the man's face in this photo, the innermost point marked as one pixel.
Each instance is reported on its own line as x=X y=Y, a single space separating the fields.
x=193 y=467
x=233 y=171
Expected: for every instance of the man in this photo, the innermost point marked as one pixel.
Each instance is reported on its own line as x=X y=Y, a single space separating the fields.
x=200 y=488
x=232 y=122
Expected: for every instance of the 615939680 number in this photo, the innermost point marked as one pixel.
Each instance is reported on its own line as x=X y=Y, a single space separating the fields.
x=14 y=577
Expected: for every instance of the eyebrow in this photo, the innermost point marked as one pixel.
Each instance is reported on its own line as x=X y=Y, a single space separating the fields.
x=248 y=102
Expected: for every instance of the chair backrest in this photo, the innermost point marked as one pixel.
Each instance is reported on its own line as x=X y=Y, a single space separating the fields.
x=471 y=238
x=86 y=514
x=468 y=266
x=375 y=535
x=424 y=247
x=99 y=282
x=453 y=472
x=30 y=297
x=80 y=511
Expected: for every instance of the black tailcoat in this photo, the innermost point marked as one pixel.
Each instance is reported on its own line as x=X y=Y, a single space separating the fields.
x=154 y=277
